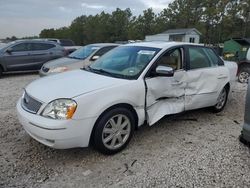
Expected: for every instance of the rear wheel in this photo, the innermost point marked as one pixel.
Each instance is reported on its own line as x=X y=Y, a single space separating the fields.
x=221 y=101
x=114 y=130
x=244 y=74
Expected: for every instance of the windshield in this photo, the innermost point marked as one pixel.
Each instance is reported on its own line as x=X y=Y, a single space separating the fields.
x=83 y=52
x=124 y=61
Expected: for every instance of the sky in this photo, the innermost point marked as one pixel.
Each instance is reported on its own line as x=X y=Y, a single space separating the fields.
x=22 y=18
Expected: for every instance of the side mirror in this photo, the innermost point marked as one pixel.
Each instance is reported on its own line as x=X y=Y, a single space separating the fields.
x=95 y=57
x=9 y=50
x=164 y=71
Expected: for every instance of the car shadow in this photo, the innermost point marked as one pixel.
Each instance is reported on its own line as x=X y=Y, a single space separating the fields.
x=21 y=73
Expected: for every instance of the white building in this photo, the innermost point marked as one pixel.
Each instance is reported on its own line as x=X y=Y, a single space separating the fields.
x=191 y=35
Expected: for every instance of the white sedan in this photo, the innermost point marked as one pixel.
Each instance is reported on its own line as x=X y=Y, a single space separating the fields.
x=130 y=85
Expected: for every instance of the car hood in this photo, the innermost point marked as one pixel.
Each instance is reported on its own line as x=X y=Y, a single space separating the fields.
x=69 y=85
x=64 y=61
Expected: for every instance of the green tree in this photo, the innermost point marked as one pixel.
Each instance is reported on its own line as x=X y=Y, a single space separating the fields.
x=217 y=20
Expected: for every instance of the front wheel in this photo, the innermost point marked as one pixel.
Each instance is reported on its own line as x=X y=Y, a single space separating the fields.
x=114 y=130
x=221 y=101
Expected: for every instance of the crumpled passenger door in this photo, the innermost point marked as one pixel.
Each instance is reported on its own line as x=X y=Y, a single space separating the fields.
x=166 y=95
x=205 y=78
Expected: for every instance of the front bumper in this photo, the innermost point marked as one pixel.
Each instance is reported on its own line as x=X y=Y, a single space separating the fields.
x=59 y=134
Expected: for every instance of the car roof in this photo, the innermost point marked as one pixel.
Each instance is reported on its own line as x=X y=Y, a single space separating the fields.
x=104 y=44
x=34 y=40
x=160 y=44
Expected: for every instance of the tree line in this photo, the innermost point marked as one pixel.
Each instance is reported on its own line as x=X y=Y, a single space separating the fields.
x=217 y=20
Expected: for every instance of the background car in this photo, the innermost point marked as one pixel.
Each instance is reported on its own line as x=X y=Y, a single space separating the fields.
x=245 y=133
x=68 y=44
x=23 y=55
x=78 y=59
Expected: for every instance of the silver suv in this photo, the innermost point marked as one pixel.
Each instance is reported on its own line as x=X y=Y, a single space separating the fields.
x=23 y=55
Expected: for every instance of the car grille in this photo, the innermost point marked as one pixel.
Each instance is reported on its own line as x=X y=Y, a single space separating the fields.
x=30 y=104
x=45 y=69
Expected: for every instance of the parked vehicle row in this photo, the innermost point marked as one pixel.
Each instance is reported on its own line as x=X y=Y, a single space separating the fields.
x=27 y=55
x=130 y=85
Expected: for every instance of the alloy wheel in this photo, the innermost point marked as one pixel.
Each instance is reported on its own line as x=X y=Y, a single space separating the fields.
x=221 y=99
x=244 y=77
x=116 y=131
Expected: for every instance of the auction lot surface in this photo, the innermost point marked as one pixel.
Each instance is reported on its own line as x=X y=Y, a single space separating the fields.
x=195 y=149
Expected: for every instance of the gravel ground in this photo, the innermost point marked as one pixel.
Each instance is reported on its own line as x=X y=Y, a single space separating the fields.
x=195 y=149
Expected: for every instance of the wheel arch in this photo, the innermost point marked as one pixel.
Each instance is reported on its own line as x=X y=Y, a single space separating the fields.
x=119 y=105
x=228 y=87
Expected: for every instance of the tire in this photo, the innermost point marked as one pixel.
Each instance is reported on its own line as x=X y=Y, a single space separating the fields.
x=244 y=74
x=221 y=101
x=243 y=141
x=108 y=137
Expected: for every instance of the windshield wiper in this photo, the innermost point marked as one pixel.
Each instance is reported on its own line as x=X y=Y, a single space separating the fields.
x=101 y=71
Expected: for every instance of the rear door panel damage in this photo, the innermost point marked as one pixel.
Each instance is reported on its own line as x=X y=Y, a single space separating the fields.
x=197 y=87
x=203 y=86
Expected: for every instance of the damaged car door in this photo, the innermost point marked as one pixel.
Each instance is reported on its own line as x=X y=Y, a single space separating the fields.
x=205 y=77
x=165 y=93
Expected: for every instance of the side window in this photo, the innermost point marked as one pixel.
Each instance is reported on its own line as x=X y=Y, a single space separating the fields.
x=198 y=58
x=20 y=47
x=103 y=50
x=172 y=59
x=42 y=46
x=214 y=59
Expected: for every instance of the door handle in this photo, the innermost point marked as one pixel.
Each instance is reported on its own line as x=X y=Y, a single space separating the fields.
x=176 y=83
x=222 y=76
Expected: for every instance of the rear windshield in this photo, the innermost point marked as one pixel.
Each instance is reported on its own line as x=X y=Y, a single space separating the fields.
x=66 y=42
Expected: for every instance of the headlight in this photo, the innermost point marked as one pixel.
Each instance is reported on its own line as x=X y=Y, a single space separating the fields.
x=60 y=109
x=58 y=69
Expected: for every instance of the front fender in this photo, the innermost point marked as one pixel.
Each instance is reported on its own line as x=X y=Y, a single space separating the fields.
x=95 y=103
